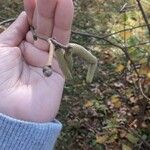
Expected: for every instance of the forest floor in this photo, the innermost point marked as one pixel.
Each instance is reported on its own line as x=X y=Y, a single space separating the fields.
x=109 y=114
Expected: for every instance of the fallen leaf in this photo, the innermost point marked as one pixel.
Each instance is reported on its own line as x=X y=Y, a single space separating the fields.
x=133 y=99
x=88 y=104
x=126 y=34
x=143 y=61
x=116 y=101
x=145 y=70
x=112 y=138
x=148 y=74
x=135 y=110
x=132 y=138
x=119 y=68
x=129 y=93
x=122 y=133
x=101 y=139
x=126 y=147
x=132 y=78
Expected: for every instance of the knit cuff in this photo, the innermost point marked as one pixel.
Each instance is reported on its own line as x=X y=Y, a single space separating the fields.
x=22 y=135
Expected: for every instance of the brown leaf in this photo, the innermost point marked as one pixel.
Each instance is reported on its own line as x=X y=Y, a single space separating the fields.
x=116 y=101
x=126 y=34
x=145 y=70
x=126 y=147
x=88 y=104
x=119 y=68
x=101 y=139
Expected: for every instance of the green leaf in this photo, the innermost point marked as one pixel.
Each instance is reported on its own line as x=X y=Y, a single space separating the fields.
x=132 y=138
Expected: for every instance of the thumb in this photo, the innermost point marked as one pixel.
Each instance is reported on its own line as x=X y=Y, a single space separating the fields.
x=16 y=31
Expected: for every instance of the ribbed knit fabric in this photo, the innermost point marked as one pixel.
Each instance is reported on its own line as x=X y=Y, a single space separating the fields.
x=22 y=135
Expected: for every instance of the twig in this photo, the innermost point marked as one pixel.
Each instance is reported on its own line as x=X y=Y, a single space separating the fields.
x=97 y=37
x=114 y=33
x=141 y=89
x=125 y=50
x=7 y=21
x=88 y=34
x=144 y=15
x=142 y=43
x=124 y=8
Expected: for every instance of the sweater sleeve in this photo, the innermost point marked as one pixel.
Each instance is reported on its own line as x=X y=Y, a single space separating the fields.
x=22 y=135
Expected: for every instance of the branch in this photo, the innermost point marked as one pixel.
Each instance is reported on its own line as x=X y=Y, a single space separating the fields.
x=140 y=86
x=97 y=37
x=88 y=34
x=128 y=29
x=139 y=44
x=144 y=15
x=125 y=50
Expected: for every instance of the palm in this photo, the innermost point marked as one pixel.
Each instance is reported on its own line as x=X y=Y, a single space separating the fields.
x=28 y=95
x=27 y=90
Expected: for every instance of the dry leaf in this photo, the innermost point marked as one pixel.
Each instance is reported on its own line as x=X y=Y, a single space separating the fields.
x=119 y=68
x=143 y=61
x=123 y=133
x=145 y=70
x=148 y=74
x=112 y=138
x=135 y=109
x=116 y=101
x=101 y=139
x=129 y=93
x=126 y=147
x=88 y=104
x=126 y=34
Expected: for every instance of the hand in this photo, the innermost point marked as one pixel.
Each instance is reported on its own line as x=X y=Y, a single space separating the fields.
x=25 y=93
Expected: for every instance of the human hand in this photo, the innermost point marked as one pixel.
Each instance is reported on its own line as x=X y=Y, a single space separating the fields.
x=25 y=93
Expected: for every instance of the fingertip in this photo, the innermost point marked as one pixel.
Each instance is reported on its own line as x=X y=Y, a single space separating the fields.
x=63 y=21
x=64 y=14
x=29 y=6
x=46 y=8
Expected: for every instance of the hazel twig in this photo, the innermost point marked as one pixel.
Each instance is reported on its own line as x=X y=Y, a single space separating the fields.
x=47 y=69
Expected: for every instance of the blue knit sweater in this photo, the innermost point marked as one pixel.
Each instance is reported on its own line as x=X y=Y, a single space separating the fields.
x=22 y=135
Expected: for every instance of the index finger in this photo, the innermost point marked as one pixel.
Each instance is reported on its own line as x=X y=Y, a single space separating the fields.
x=63 y=21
